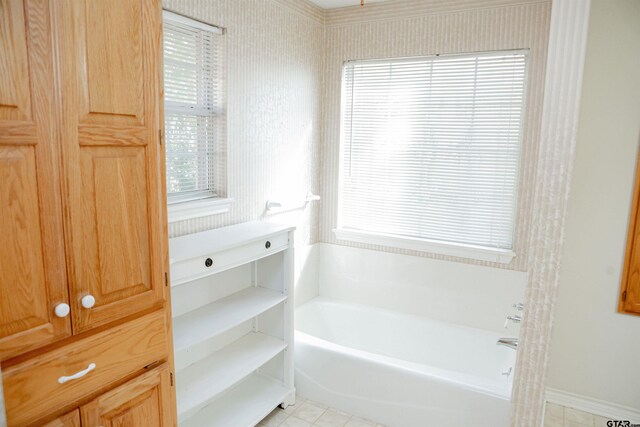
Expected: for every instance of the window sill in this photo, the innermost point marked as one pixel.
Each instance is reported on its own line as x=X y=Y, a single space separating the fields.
x=500 y=256
x=198 y=208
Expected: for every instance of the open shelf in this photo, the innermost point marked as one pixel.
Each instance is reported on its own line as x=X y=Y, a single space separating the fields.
x=243 y=406
x=224 y=314
x=203 y=381
x=233 y=323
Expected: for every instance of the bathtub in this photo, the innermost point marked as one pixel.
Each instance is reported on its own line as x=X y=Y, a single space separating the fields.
x=401 y=370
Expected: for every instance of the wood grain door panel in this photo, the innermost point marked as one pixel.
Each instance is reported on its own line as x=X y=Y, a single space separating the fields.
x=70 y=419
x=32 y=254
x=23 y=300
x=145 y=400
x=630 y=290
x=15 y=93
x=114 y=86
x=113 y=157
x=116 y=246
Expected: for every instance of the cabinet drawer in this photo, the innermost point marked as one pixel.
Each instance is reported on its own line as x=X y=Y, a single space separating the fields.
x=52 y=381
x=189 y=269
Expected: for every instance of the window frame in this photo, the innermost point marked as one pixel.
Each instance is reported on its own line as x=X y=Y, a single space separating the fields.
x=454 y=249
x=196 y=203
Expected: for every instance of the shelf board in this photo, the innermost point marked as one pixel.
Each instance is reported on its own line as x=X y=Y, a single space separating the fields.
x=205 y=380
x=243 y=406
x=212 y=319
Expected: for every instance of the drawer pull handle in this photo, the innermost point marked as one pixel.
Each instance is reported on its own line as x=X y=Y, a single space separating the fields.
x=77 y=375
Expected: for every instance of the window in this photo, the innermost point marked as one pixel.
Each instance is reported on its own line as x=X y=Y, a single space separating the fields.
x=430 y=152
x=194 y=110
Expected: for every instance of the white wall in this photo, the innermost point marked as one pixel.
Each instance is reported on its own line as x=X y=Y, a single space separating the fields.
x=595 y=350
x=306 y=274
x=469 y=295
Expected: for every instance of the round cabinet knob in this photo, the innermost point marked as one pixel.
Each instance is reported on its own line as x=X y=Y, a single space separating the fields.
x=88 y=301
x=267 y=245
x=62 y=310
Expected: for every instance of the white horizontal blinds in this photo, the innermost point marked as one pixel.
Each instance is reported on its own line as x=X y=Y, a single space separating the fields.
x=431 y=147
x=194 y=108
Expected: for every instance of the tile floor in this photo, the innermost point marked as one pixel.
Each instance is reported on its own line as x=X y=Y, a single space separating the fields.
x=307 y=413
x=561 y=416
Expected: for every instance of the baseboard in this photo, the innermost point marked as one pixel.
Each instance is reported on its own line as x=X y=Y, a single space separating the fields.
x=593 y=406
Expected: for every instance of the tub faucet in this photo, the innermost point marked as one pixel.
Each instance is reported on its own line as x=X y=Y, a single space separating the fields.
x=515 y=319
x=508 y=342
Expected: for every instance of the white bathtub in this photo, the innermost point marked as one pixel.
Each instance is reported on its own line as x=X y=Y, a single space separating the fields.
x=401 y=370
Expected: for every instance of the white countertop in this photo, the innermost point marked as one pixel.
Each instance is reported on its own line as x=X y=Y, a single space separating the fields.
x=220 y=239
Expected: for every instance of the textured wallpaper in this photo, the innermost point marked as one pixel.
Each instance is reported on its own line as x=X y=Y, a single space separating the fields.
x=567 y=45
x=275 y=53
x=284 y=69
x=413 y=27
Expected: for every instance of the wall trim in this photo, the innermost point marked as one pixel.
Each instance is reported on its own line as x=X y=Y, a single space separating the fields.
x=406 y=9
x=592 y=406
x=303 y=8
x=560 y=113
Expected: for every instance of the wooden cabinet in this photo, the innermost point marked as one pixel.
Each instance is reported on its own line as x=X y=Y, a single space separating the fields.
x=42 y=384
x=143 y=401
x=110 y=122
x=630 y=290
x=102 y=177
x=32 y=259
x=71 y=419
x=83 y=252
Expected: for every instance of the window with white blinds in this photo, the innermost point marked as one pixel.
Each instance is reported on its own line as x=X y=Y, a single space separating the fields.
x=431 y=146
x=194 y=109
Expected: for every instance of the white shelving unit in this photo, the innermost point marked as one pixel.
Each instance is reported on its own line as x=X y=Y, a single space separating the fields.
x=232 y=296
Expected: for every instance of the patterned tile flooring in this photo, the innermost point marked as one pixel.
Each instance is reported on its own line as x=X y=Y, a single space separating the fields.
x=561 y=416
x=307 y=413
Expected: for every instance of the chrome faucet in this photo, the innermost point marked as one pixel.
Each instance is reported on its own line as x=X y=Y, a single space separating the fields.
x=515 y=318
x=508 y=342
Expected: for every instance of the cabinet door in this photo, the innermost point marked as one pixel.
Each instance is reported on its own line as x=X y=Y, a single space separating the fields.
x=32 y=262
x=143 y=401
x=630 y=290
x=71 y=419
x=109 y=53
